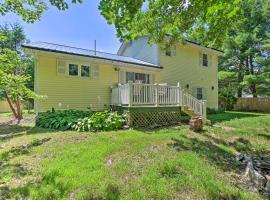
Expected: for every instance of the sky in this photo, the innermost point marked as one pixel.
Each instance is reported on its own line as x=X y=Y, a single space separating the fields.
x=78 y=26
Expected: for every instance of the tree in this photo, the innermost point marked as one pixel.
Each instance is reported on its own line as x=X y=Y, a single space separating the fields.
x=227 y=87
x=244 y=49
x=14 y=35
x=30 y=11
x=16 y=70
x=13 y=82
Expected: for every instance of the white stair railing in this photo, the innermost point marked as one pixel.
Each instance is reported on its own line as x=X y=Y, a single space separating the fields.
x=195 y=105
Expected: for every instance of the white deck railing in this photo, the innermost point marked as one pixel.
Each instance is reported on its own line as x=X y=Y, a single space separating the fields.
x=138 y=94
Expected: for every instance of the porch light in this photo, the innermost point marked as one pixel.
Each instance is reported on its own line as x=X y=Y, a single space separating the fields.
x=212 y=87
x=187 y=86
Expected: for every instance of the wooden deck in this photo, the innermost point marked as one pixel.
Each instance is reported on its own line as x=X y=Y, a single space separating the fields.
x=137 y=95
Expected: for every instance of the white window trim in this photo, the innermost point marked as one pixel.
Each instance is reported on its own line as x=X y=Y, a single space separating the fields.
x=151 y=76
x=209 y=59
x=79 y=69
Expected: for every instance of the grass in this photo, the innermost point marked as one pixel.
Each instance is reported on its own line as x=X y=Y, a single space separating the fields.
x=172 y=163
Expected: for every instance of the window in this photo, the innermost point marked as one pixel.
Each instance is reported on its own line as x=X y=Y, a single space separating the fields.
x=205 y=60
x=168 y=52
x=199 y=93
x=137 y=77
x=85 y=71
x=73 y=70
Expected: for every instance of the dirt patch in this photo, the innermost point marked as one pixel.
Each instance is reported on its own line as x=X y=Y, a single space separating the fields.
x=225 y=128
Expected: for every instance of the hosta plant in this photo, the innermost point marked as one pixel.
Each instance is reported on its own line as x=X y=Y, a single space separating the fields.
x=61 y=119
x=100 y=121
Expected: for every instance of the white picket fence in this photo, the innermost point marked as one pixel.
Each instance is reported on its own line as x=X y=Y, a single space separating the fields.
x=138 y=94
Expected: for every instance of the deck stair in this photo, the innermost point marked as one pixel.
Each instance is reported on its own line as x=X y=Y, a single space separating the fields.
x=192 y=106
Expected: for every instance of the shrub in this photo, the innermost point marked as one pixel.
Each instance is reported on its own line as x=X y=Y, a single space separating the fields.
x=214 y=111
x=100 y=121
x=61 y=119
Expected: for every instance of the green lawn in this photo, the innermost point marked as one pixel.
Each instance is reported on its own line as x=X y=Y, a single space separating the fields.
x=172 y=163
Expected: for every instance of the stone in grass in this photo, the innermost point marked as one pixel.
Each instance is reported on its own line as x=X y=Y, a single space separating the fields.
x=256 y=178
x=196 y=124
x=267 y=187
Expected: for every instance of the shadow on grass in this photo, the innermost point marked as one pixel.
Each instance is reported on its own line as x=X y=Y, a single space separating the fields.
x=222 y=158
x=216 y=150
x=227 y=116
x=264 y=136
x=12 y=131
x=60 y=190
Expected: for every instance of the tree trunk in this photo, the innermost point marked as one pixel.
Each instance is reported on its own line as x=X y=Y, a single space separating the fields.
x=251 y=69
x=240 y=78
x=10 y=105
x=19 y=110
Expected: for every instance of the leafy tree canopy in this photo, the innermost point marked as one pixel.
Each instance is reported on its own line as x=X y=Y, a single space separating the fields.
x=31 y=10
x=16 y=70
x=155 y=18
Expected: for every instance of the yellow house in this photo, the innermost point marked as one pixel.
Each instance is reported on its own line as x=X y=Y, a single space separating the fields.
x=138 y=75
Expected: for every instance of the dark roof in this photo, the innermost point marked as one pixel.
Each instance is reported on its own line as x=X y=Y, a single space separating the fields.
x=45 y=46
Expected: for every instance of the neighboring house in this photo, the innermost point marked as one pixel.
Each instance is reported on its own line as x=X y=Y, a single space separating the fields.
x=4 y=107
x=79 y=78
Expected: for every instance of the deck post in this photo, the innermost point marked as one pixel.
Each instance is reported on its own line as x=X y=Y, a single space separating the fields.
x=130 y=94
x=204 y=109
x=179 y=94
x=156 y=95
x=119 y=95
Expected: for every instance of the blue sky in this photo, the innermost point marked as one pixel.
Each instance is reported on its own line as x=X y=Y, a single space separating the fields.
x=78 y=26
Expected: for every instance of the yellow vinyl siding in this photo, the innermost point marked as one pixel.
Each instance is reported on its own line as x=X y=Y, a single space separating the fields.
x=75 y=92
x=185 y=68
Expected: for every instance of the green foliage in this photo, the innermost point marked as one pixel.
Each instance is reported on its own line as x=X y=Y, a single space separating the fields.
x=155 y=18
x=100 y=121
x=30 y=11
x=228 y=87
x=16 y=70
x=61 y=119
x=246 y=48
x=158 y=18
x=14 y=35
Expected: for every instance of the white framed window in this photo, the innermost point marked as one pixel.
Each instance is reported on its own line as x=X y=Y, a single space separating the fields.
x=85 y=71
x=199 y=93
x=205 y=60
x=137 y=77
x=170 y=51
x=73 y=70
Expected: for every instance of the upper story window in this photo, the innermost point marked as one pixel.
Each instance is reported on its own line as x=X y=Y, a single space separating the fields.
x=205 y=60
x=73 y=69
x=85 y=71
x=170 y=51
